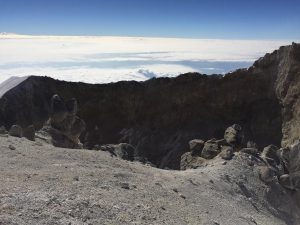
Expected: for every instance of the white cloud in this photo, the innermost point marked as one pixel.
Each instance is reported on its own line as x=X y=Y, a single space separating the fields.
x=109 y=59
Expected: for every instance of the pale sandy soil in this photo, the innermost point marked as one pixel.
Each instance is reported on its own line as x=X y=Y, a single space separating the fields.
x=41 y=184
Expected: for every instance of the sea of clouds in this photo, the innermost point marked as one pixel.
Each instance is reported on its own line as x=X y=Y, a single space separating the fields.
x=104 y=59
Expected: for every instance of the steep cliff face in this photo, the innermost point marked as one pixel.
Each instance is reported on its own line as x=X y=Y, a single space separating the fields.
x=160 y=116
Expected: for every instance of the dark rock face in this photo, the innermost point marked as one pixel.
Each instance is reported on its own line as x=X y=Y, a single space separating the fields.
x=29 y=133
x=158 y=117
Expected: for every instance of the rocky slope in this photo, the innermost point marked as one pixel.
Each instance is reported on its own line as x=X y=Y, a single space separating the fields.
x=160 y=116
x=42 y=184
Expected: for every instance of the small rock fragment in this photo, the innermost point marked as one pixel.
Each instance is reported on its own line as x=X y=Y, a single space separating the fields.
x=226 y=152
x=11 y=147
x=285 y=181
x=125 y=186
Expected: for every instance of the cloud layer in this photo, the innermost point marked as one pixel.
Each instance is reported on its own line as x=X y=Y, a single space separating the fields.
x=111 y=59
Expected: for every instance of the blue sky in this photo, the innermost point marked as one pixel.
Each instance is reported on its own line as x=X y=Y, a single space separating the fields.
x=231 y=19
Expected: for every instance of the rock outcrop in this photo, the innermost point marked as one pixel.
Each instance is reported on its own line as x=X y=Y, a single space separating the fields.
x=63 y=125
x=158 y=117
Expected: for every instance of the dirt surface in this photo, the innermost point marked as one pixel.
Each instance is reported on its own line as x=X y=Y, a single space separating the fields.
x=41 y=184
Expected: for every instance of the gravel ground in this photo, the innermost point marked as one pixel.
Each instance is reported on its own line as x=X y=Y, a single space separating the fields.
x=41 y=184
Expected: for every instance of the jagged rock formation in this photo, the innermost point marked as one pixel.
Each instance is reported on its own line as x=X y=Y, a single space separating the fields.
x=63 y=125
x=158 y=117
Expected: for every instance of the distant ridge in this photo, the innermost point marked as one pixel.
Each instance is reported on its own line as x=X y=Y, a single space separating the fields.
x=10 y=83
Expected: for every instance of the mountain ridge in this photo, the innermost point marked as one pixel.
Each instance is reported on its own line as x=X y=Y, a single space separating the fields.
x=161 y=115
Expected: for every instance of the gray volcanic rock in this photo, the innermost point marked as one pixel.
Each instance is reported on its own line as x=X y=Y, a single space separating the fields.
x=226 y=152
x=270 y=155
x=191 y=161
x=294 y=165
x=196 y=146
x=210 y=150
x=158 y=117
x=233 y=135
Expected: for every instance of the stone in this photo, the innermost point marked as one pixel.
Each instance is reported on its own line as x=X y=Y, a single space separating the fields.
x=65 y=126
x=189 y=161
x=210 y=150
x=226 y=152
x=196 y=146
x=294 y=165
x=11 y=147
x=286 y=182
x=269 y=154
x=125 y=151
x=16 y=131
x=29 y=133
x=233 y=135
x=283 y=154
x=250 y=151
x=266 y=174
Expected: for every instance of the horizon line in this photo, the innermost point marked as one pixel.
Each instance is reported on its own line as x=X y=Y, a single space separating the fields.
x=7 y=34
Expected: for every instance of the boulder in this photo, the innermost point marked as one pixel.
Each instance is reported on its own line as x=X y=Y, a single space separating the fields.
x=196 y=146
x=16 y=131
x=269 y=154
x=210 y=150
x=283 y=155
x=29 y=133
x=234 y=135
x=267 y=174
x=65 y=126
x=294 y=165
x=190 y=161
x=285 y=181
x=125 y=151
x=226 y=152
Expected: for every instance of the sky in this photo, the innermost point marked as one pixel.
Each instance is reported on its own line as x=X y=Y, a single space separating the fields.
x=222 y=19
x=101 y=41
